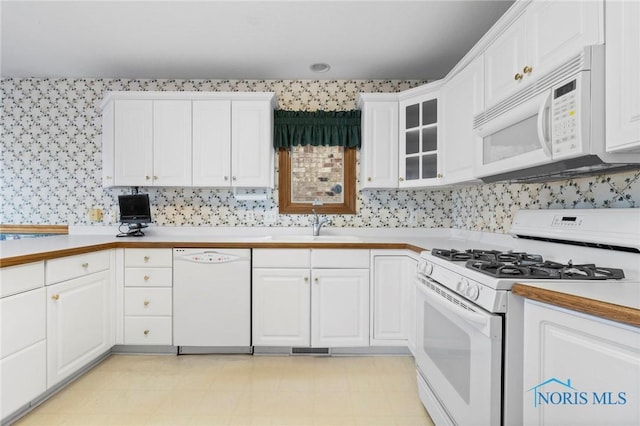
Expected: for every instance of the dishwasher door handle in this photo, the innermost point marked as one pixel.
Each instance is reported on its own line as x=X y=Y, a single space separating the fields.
x=212 y=258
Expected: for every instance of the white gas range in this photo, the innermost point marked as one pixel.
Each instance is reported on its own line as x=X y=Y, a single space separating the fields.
x=470 y=326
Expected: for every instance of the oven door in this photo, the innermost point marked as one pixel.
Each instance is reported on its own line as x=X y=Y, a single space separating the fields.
x=459 y=357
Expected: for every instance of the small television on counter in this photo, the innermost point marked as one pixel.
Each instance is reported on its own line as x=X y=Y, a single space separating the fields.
x=135 y=211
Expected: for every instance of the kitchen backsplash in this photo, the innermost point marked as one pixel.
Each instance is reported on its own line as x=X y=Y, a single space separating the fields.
x=50 y=165
x=491 y=207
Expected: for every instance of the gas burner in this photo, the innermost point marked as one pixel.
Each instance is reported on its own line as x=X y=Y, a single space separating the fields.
x=545 y=270
x=461 y=256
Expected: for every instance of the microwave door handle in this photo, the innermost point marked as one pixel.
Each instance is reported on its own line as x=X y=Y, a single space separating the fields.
x=544 y=124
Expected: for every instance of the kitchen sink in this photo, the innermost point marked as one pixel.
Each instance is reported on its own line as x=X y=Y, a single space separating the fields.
x=318 y=239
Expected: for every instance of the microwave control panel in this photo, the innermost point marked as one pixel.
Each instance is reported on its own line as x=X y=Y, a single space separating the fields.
x=565 y=130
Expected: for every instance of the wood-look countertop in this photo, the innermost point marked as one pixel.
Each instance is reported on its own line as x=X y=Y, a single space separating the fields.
x=613 y=300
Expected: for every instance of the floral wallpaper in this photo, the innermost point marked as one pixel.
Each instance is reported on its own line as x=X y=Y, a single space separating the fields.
x=51 y=158
x=50 y=162
x=492 y=207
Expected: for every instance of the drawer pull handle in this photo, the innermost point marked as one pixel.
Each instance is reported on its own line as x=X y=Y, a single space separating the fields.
x=55 y=297
x=146 y=303
x=85 y=265
x=146 y=258
x=146 y=277
x=146 y=332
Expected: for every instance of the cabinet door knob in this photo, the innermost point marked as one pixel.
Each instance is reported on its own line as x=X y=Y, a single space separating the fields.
x=146 y=258
x=316 y=280
x=517 y=77
x=369 y=179
x=306 y=279
x=55 y=297
x=233 y=178
x=146 y=332
x=155 y=178
x=146 y=303
x=147 y=177
x=226 y=178
x=146 y=277
x=85 y=265
x=439 y=175
x=527 y=69
x=401 y=179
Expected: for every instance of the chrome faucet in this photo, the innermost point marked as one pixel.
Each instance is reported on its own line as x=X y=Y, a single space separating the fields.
x=317 y=222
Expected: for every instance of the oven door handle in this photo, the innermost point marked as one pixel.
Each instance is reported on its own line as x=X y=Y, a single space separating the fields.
x=478 y=321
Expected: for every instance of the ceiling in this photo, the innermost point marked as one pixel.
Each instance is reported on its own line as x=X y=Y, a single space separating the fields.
x=267 y=39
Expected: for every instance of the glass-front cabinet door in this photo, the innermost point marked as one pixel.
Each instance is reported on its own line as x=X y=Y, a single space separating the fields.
x=419 y=139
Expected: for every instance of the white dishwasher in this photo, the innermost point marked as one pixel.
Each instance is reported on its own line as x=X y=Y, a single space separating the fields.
x=212 y=300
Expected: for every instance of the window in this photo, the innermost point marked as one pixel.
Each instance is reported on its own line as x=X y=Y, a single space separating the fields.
x=320 y=178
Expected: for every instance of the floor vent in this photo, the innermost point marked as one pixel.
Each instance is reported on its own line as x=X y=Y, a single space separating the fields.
x=310 y=351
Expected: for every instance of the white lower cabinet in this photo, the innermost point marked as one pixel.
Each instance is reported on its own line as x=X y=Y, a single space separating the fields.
x=317 y=298
x=281 y=310
x=579 y=369
x=148 y=297
x=79 y=324
x=339 y=307
x=392 y=298
x=23 y=346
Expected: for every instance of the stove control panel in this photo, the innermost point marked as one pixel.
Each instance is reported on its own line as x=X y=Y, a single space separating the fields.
x=566 y=222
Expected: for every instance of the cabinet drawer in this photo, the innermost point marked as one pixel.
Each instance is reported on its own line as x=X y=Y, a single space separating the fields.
x=147 y=330
x=147 y=301
x=346 y=258
x=22 y=321
x=80 y=265
x=148 y=258
x=148 y=277
x=281 y=258
x=16 y=279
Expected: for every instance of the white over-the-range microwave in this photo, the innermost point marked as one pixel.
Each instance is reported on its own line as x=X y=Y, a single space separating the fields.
x=551 y=128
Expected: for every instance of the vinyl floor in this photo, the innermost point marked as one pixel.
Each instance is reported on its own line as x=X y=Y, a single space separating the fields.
x=239 y=390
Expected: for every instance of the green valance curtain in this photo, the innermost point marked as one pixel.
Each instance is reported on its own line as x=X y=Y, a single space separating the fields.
x=326 y=128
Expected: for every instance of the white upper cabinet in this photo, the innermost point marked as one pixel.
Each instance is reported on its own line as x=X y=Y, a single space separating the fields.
x=108 y=160
x=211 y=143
x=172 y=143
x=622 y=71
x=462 y=97
x=419 y=140
x=504 y=61
x=133 y=142
x=379 y=151
x=545 y=35
x=252 y=152
x=152 y=142
x=188 y=139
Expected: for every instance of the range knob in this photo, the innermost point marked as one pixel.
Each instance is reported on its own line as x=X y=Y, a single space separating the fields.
x=462 y=286
x=428 y=268
x=473 y=291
